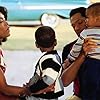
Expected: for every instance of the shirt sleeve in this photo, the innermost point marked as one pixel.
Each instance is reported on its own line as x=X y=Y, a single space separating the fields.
x=76 y=49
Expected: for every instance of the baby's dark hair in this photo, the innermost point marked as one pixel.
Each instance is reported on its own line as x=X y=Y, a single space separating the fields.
x=4 y=11
x=80 y=10
x=94 y=9
x=45 y=36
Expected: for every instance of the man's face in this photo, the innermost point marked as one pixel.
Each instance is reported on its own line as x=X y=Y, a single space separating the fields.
x=4 y=27
x=78 y=23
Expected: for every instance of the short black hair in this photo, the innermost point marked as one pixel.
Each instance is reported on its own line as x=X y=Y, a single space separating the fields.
x=4 y=11
x=45 y=36
x=80 y=10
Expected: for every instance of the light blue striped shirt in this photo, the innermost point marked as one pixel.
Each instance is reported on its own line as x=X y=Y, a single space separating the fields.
x=91 y=33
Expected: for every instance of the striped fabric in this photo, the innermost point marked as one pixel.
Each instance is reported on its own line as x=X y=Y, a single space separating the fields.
x=48 y=71
x=91 y=33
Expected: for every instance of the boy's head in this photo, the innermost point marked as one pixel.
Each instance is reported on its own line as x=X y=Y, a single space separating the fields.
x=77 y=19
x=93 y=15
x=45 y=37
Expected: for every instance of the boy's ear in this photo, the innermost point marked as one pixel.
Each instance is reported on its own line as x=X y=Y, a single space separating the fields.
x=55 y=43
x=36 y=45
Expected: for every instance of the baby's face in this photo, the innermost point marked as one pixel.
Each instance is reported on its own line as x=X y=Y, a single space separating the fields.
x=89 y=20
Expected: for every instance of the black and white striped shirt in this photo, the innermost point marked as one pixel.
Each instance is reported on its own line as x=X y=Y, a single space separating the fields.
x=48 y=71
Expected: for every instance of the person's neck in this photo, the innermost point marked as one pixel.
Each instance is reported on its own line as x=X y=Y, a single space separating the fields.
x=48 y=49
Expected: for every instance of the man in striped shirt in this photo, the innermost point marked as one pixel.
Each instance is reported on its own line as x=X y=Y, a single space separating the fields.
x=46 y=83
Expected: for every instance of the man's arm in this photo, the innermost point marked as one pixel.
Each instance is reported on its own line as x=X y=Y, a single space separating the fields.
x=70 y=72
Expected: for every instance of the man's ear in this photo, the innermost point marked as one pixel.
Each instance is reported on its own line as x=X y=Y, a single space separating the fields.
x=97 y=19
x=36 y=45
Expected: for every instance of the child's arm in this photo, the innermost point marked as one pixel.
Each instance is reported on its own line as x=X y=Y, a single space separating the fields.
x=76 y=49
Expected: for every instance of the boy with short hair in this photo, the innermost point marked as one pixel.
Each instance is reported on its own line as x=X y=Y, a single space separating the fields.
x=46 y=83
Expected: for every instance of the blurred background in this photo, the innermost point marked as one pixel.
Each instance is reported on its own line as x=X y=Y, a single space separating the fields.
x=24 y=17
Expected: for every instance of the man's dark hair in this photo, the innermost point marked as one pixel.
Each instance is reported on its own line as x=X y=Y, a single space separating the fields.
x=45 y=36
x=80 y=10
